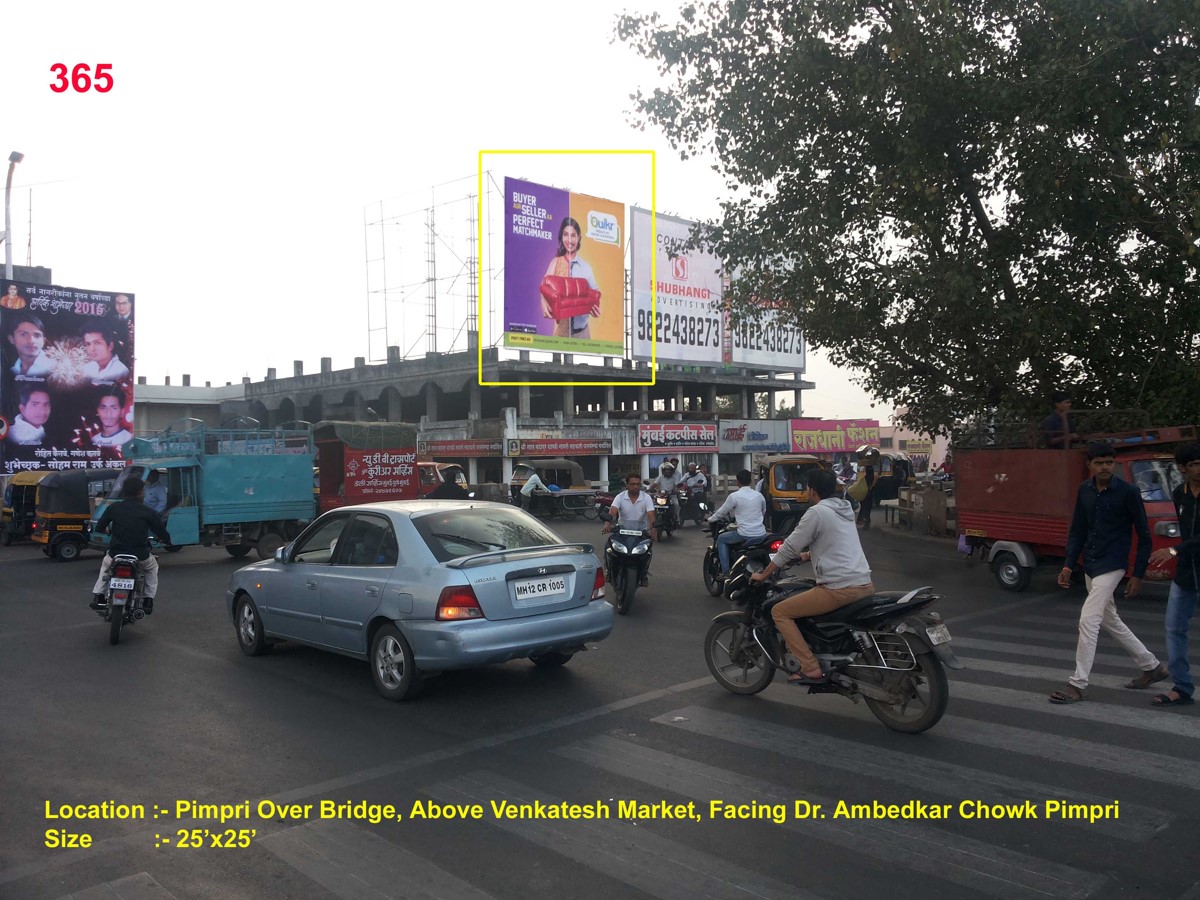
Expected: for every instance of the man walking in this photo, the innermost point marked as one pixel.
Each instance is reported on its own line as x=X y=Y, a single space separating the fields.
x=1107 y=512
x=1185 y=589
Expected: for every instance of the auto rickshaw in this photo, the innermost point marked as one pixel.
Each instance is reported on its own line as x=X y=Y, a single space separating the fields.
x=20 y=503
x=785 y=487
x=571 y=494
x=65 y=501
x=893 y=471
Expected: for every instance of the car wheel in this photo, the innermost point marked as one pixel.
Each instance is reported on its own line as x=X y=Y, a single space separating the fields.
x=250 y=628
x=1011 y=575
x=67 y=551
x=393 y=666
x=551 y=660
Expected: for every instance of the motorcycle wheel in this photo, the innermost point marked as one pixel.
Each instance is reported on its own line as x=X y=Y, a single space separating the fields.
x=591 y=512
x=925 y=695
x=736 y=662
x=712 y=565
x=115 y=622
x=626 y=588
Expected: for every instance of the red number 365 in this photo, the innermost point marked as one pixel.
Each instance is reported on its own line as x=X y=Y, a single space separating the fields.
x=81 y=78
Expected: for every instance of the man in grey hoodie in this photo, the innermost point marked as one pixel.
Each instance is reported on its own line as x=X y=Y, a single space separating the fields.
x=828 y=531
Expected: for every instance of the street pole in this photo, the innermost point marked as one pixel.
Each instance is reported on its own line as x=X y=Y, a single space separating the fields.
x=13 y=159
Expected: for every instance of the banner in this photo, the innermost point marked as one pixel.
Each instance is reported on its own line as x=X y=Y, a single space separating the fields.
x=755 y=436
x=66 y=391
x=373 y=475
x=564 y=271
x=564 y=447
x=833 y=435
x=689 y=436
x=466 y=448
x=687 y=318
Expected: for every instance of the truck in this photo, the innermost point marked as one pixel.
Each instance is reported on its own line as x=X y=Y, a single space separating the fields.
x=243 y=487
x=1015 y=501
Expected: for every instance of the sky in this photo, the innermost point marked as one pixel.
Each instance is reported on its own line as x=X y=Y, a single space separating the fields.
x=227 y=178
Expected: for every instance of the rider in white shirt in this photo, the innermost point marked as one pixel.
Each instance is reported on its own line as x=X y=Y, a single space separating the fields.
x=668 y=480
x=746 y=507
x=633 y=509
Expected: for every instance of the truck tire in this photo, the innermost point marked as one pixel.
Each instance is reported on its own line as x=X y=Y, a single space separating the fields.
x=1011 y=575
x=268 y=544
x=237 y=551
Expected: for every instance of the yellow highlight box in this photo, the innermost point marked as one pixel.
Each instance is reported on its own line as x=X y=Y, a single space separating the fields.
x=653 y=267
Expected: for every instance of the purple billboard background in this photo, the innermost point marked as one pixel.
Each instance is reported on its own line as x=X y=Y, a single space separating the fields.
x=531 y=211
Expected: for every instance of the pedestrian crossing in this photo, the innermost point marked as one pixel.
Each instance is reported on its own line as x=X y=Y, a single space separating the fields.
x=1001 y=746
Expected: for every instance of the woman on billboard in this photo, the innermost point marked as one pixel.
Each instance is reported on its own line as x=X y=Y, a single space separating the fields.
x=567 y=264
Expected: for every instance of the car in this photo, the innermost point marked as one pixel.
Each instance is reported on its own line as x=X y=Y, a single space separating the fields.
x=417 y=587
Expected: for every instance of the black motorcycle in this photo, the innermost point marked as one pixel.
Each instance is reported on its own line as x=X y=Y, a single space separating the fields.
x=693 y=504
x=665 y=519
x=123 y=596
x=626 y=562
x=714 y=578
x=885 y=649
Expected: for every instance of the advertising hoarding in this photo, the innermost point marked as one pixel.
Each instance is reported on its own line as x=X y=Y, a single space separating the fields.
x=561 y=447
x=564 y=271
x=467 y=448
x=833 y=435
x=66 y=383
x=373 y=475
x=755 y=435
x=696 y=437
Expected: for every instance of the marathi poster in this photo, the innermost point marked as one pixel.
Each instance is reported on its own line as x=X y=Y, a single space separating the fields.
x=66 y=391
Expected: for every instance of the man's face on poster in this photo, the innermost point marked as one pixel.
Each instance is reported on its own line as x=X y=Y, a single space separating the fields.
x=29 y=341
x=123 y=306
x=109 y=412
x=36 y=410
x=97 y=348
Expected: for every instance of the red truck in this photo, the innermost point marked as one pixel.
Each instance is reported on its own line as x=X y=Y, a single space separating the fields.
x=1015 y=503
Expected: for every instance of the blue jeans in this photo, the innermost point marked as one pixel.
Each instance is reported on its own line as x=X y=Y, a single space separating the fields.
x=1181 y=604
x=725 y=542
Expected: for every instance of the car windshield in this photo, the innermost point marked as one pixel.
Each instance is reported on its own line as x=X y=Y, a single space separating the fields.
x=481 y=529
x=1155 y=478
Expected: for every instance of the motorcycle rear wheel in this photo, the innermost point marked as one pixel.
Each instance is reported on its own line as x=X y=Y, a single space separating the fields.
x=115 y=622
x=740 y=669
x=926 y=693
x=712 y=579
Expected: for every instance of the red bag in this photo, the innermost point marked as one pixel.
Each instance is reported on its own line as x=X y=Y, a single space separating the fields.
x=569 y=296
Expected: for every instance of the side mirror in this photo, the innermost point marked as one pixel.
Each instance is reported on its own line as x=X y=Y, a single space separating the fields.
x=281 y=554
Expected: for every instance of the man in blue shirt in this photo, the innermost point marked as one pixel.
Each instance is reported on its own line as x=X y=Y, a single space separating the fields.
x=1107 y=512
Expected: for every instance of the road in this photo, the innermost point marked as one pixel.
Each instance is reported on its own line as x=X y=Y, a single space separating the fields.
x=176 y=714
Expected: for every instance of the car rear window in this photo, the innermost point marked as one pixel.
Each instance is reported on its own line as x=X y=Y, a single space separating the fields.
x=480 y=529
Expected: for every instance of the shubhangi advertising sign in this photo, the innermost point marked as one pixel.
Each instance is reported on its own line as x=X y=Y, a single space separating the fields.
x=688 y=317
x=833 y=435
x=682 y=436
x=755 y=435
x=66 y=391
x=564 y=271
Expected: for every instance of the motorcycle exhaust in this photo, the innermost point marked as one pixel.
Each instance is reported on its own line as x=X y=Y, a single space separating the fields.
x=138 y=615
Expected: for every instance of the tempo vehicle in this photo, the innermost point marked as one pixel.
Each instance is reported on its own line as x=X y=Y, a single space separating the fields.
x=419 y=587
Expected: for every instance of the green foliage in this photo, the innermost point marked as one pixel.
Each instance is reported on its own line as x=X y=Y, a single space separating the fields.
x=977 y=202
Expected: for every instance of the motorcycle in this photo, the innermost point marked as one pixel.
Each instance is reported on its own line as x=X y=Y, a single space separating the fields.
x=714 y=578
x=664 y=514
x=626 y=561
x=123 y=596
x=692 y=504
x=887 y=649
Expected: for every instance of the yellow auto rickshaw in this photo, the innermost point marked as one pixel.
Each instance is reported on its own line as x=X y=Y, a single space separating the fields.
x=65 y=502
x=20 y=503
x=785 y=487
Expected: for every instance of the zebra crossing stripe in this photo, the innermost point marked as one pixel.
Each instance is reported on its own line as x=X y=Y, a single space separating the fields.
x=619 y=848
x=1121 y=661
x=141 y=886
x=1137 y=823
x=1044 y=673
x=964 y=861
x=1040 y=634
x=356 y=864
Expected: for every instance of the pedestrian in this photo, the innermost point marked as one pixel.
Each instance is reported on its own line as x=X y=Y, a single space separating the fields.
x=1058 y=428
x=864 y=508
x=1185 y=588
x=1108 y=511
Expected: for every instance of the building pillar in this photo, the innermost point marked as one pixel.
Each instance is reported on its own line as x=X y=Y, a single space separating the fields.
x=475 y=398
x=604 y=476
x=746 y=402
x=568 y=408
x=711 y=399
x=610 y=398
x=643 y=399
x=510 y=434
x=679 y=396
x=523 y=402
x=431 y=401
x=799 y=407
x=473 y=470
x=645 y=469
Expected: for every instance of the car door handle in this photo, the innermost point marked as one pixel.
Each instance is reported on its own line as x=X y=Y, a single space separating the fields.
x=312 y=584
x=372 y=591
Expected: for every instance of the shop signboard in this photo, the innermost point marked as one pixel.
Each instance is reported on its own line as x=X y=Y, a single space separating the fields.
x=833 y=435
x=373 y=475
x=459 y=449
x=755 y=436
x=689 y=437
x=564 y=447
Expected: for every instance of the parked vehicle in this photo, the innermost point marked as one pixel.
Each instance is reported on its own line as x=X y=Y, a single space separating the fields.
x=892 y=472
x=626 y=561
x=569 y=495
x=65 y=501
x=420 y=587
x=714 y=578
x=1015 y=502
x=20 y=505
x=244 y=488
x=889 y=649
x=123 y=596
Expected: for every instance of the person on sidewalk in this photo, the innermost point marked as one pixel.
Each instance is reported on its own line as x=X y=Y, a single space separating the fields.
x=1107 y=513
x=1185 y=588
x=843 y=575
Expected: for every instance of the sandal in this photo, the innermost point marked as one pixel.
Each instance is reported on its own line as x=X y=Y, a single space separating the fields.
x=802 y=679
x=1147 y=678
x=1071 y=695
x=1167 y=700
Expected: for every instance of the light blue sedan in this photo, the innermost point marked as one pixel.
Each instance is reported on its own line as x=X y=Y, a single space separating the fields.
x=422 y=586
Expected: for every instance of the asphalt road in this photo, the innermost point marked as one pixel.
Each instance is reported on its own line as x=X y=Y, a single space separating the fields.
x=176 y=713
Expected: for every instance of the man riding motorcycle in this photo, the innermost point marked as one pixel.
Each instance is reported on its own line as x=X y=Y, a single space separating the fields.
x=747 y=508
x=843 y=576
x=131 y=522
x=633 y=508
x=668 y=480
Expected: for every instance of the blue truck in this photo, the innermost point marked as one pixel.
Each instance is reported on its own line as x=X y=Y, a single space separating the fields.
x=242 y=488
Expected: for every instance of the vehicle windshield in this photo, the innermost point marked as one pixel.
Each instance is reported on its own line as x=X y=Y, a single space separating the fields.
x=792 y=476
x=127 y=472
x=1155 y=478
x=462 y=532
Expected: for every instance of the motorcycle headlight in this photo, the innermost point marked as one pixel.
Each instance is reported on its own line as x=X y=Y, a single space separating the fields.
x=642 y=547
x=619 y=547
x=1167 y=529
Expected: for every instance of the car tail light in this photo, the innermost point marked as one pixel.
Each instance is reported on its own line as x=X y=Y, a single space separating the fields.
x=34 y=526
x=775 y=545
x=598 y=585
x=458 y=603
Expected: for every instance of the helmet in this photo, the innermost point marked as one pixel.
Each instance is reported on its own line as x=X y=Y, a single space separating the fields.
x=666 y=468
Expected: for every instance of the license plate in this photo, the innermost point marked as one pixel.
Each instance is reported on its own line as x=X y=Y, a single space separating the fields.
x=121 y=584
x=938 y=634
x=535 y=590
x=631 y=532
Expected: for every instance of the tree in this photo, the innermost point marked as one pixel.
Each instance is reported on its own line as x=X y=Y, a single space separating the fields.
x=977 y=202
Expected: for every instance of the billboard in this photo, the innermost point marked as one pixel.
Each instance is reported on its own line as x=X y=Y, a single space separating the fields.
x=688 y=319
x=564 y=271
x=833 y=435
x=66 y=384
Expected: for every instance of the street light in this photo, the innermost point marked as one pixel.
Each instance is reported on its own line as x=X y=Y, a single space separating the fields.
x=13 y=159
